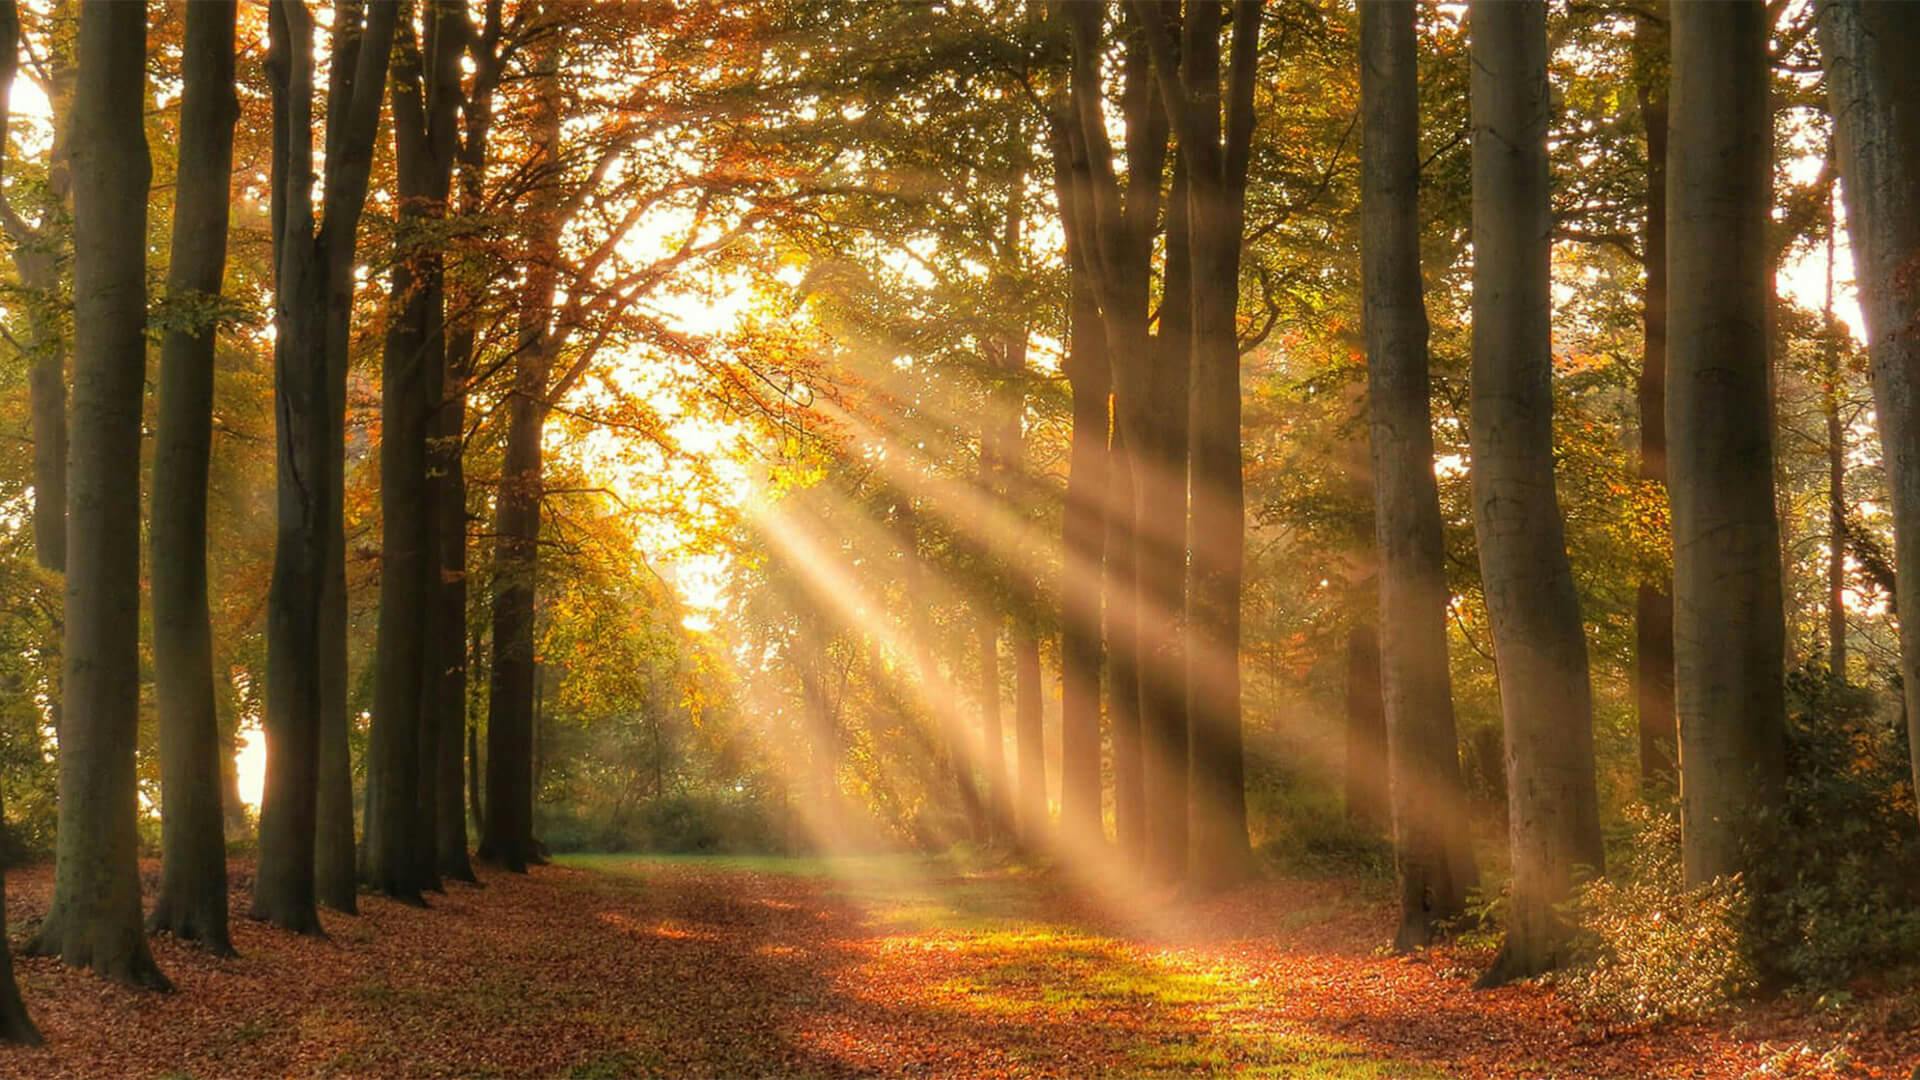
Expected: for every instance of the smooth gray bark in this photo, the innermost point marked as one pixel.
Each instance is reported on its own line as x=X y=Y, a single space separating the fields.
x=1729 y=628
x=1428 y=809
x=94 y=919
x=1539 y=641
x=1873 y=84
x=193 y=880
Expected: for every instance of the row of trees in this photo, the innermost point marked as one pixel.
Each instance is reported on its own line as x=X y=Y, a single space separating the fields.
x=510 y=276
x=1133 y=160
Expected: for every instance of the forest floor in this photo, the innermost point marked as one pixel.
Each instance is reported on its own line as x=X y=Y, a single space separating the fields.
x=640 y=966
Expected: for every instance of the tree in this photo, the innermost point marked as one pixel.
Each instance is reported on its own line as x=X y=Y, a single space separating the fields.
x=1214 y=130
x=1653 y=611
x=398 y=856
x=313 y=289
x=193 y=883
x=1432 y=847
x=1083 y=537
x=15 y=1025
x=1729 y=629
x=447 y=637
x=38 y=248
x=94 y=920
x=1552 y=807
x=506 y=837
x=1115 y=225
x=1871 y=85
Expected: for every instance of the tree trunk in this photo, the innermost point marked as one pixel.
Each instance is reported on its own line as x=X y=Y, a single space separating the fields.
x=1366 y=757
x=1083 y=535
x=1160 y=516
x=1123 y=651
x=998 y=797
x=1539 y=642
x=193 y=884
x=94 y=919
x=1728 y=622
x=1653 y=605
x=1114 y=225
x=1834 y=375
x=1212 y=218
x=1872 y=82
x=305 y=721
x=1425 y=799
x=36 y=259
x=1029 y=736
x=398 y=854
x=507 y=833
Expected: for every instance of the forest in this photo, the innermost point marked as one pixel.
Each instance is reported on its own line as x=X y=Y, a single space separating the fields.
x=959 y=538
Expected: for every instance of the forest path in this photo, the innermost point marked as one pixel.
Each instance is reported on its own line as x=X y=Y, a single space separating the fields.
x=617 y=966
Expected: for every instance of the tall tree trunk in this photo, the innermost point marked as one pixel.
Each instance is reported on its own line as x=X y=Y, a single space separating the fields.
x=1428 y=808
x=1122 y=587
x=36 y=259
x=1215 y=132
x=94 y=919
x=1114 y=224
x=1539 y=642
x=448 y=640
x=1160 y=517
x=993 y=738
x=1366 y=750
x=1872 y=82
x=398 y=855
x=313 y=285
x=1029 y=735
x=1834 y=375
x=1083 y=536
x=1653 y=604
x=507 y=833
x=193 y=883
x=1728 y=621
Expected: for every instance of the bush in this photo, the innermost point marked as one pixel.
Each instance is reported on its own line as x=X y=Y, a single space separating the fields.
x=1648 y=947
x=1310 y=832
x=1844 y=860
x=689 y=823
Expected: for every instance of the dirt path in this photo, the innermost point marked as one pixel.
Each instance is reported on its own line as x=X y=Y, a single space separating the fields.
x=894 y=967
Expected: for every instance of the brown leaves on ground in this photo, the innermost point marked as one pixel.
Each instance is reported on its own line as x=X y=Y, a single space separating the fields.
x=617 y=967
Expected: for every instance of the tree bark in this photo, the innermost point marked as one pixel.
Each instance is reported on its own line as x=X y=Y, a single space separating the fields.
x=398 y=856
x=1114 y=224
x=36 y=259
x=448 y=638
x=193 y=883
x=1122 y=588
x=1083 y=535
x=507 y=833
x=1729 y=627
x=1029 y=736
x=1366 y=750
x=998 y=797
x=1872 y=82
x=1653 y=603
x=1834 y=375
x=313 y=285
x=1539 y=642
x=1428 y=807
x=1215 y=132
x=94 y=918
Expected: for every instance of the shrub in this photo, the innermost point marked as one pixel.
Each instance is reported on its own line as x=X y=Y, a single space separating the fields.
x=1649 y=948
x=1844 y=859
